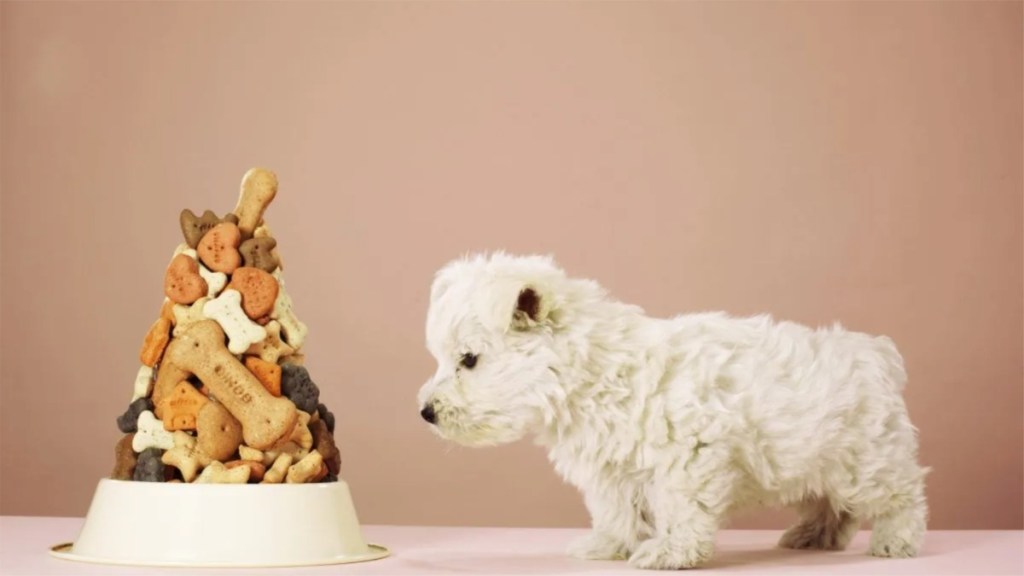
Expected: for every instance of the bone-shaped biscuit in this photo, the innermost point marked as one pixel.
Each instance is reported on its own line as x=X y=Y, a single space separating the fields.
x=151 y=434
x=247 y=453
x=294 y=330
x=256 y=469
x=279 y=469
x=200 y=350
x=272 y=348
x=259 y=186
x=299 y=443
x=186 y=456
x=306 y=469
x=215 y=281
x=143 y=383
x=242 y=333
x=185 y=315
x=217 y=473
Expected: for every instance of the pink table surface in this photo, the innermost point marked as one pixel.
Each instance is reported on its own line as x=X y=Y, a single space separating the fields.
x=24 y=542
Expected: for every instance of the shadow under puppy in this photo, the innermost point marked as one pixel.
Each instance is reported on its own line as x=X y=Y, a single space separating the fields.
x=667 y=425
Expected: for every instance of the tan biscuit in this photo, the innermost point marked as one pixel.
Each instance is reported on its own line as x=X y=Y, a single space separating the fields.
x=294 y=329
x=124 y=459
x=186 y=456
x=167 y=377
x=218 y=249
x=259 y=186
x=200 y=350
x=195 y=227
x=258 y=290
x=247 y=453
x=185 y=315
x=219 y=433
x=217 y=473
x=256 y=469
x=306 y=469
x=271 y=348
x=182 y=282
x=298 y=358
x=323 y=440
x=300 y=441
x=297 y=445
x=180 y=409
x=260 y=253
x=276 y=474
x=267 y=373
x=271 y=456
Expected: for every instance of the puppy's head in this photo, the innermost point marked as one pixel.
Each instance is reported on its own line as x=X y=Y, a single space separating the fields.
x=491 y=327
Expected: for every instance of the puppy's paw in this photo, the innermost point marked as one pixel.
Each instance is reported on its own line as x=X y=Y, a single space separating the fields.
x=597 y=546
x=893 y=548
x=667 y=554
x=814 y=537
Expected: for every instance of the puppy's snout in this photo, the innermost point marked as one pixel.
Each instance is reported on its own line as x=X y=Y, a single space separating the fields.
x=428 y=413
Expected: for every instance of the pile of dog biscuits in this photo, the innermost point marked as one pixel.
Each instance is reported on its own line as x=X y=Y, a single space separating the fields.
x=222 y=395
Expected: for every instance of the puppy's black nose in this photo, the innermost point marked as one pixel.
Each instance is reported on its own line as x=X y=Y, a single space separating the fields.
x=428 y=413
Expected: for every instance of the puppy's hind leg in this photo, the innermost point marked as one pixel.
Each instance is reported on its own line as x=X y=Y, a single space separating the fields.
x=820 y=527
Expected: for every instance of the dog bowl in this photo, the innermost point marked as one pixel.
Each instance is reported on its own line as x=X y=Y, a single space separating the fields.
x=220 y=525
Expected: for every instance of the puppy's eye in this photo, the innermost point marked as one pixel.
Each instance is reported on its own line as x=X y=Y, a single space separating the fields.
x=468 y=360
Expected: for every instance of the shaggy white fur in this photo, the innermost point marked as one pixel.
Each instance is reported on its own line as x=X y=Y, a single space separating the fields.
x=668 y=425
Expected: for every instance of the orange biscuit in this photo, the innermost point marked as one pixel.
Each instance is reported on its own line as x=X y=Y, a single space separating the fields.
x=180 y=409
x=155 y=342
x=182 y=282
x=258 y=289
x=218 y=249
x=268 y=373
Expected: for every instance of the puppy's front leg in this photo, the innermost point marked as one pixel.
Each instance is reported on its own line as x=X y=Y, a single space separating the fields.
x=689 y=499
x=617 y=522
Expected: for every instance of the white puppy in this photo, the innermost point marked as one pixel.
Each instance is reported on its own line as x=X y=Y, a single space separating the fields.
x=668 y=425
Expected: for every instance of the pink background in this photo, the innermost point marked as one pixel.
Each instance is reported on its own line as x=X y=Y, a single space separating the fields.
x=821 y=161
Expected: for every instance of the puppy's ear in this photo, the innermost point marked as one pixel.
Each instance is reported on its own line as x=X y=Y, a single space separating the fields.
x=531 y=309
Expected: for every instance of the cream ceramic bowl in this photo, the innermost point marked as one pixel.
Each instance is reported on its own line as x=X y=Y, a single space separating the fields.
x=221 y=525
